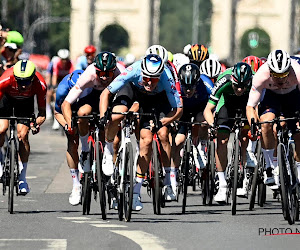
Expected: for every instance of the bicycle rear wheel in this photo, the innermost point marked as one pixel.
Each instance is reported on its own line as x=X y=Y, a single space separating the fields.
x=157 y=189
x=235 y=175
x=287 y=196
x=100 y=178
x=128 y=181
x=11 y=177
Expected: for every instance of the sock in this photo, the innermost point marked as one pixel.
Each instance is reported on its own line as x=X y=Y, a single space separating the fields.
x=254 y=143
x=298 y=169
x=22 y=176
x=202 y=145
x=268 y=154
x=173 y=174
x=74 y=174
x=249 y=147
x=139 y=181
x=167 y=181
x=275 y=164
x=222 y=181
x=84 y=143
x=109 y=147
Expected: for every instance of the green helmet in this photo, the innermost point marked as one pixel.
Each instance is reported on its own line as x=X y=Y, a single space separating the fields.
x=24 y=71
x=241 y=75
x=105 y=61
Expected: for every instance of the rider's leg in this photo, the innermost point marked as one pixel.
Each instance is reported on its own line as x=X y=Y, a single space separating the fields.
x=3 y=128
x=176 y=157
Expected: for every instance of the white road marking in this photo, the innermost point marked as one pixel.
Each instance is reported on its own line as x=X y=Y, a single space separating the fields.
x=145 y=240
x=107 y=225
x=74 y=218
x=89 y=221
x=57 y=244
x=31 y=177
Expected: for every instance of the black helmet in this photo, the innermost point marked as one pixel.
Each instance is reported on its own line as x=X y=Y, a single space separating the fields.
x=189 y=75
x=105 y=61
x=241 y=75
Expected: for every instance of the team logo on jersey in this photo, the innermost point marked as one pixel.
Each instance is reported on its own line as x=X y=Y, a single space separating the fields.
x=124 y=73
x=130 y=68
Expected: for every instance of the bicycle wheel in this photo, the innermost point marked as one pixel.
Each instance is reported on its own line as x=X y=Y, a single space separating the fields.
x=293 y=189
x=11 y=177
x=157 y=190
x=118 y=179
x=186 y=168
x=100 y=178
x=255 y=179
x=86 y=194
x=235 y=175
x=287 y=197
x=128 y=181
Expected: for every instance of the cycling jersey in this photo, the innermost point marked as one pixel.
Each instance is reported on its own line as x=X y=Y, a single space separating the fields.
x=89 y=79
x=9 y=86
x=173 y=70
x=262 y=80
x=82 y=63
x=133 y=74
x=64 y=87
x=61 y=70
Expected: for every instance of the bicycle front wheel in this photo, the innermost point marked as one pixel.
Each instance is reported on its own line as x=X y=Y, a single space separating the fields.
x=128 y=181
x=235 y=175
x=100 y=179
x=11 y=177
x=86 y=194
x=186 y=168
x=157 y=190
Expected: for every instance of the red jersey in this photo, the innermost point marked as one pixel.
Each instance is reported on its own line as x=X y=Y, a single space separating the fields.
x=9 y=86
x=61 y=70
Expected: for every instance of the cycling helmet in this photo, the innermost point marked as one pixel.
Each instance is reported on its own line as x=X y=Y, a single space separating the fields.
x=24 y=71
x=241 y=75
x=210 y=68
x=63 y=54
x=179 y=59
x=263 y=60
x=170 y=56
x=279 y=61
x=158 y=50
x=189 y=75
x=89 y=49
x=198 y=53
x=105 y=61
x=152 y=66
x=253 y=61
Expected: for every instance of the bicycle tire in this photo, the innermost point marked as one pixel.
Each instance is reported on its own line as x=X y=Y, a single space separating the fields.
x=235 y=176
x=87 y=193
x=119 y=194
x=262 y=193
x=186 y=165
x=293 y=188
x=100 y=179
x=128 y=182
x=157 y=193
x=284 y=178
x=11 y=177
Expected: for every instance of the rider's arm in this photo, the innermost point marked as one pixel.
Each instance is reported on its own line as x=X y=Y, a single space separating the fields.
x=41 y=116
x=208 y=113
x=104 y=101
x=175 y=114
x=40 y=91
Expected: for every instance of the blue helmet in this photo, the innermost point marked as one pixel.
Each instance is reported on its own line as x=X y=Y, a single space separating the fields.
x=74 y=77
x=152 y=66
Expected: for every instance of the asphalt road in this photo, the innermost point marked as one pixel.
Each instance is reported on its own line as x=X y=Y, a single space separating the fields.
x=45 y=220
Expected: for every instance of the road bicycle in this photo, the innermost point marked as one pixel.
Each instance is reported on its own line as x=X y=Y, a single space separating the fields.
x=11 y=171
x=94 y=179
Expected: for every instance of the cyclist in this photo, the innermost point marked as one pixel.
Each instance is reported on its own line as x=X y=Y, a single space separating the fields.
x=18 y=86
x=277 y=84
x=72 y=151
x=87 y=59
x=148 y=83
x=230 y=94
x=211 y=68
x=97 y=76
x=195 y=94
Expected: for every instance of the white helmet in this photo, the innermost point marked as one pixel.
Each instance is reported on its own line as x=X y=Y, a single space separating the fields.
x=63 y=53
x=180 y=59
x=210 y=68
x=152 y=66
x=158 y=50
x=279 y=61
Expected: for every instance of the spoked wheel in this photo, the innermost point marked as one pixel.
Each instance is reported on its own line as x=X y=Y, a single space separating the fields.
x=235 y=176
x=11 y=177
x=128 y=182
x=157 y=189
x=100 y=178
x=288 y=195
x=86 y=194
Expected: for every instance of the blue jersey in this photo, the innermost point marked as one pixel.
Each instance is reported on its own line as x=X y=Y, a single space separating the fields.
x=82 y=63
x=64 y=87
x=133 y=74
x=201 y=95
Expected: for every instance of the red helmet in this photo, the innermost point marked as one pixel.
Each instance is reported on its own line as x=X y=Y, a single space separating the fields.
x=263 y=60
x=253 y=61
x=90 y=49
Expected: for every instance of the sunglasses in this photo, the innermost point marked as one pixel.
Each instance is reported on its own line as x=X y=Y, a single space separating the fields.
x=105 y=73
x=279 y=75
x=24 y=83
x=152 y=79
